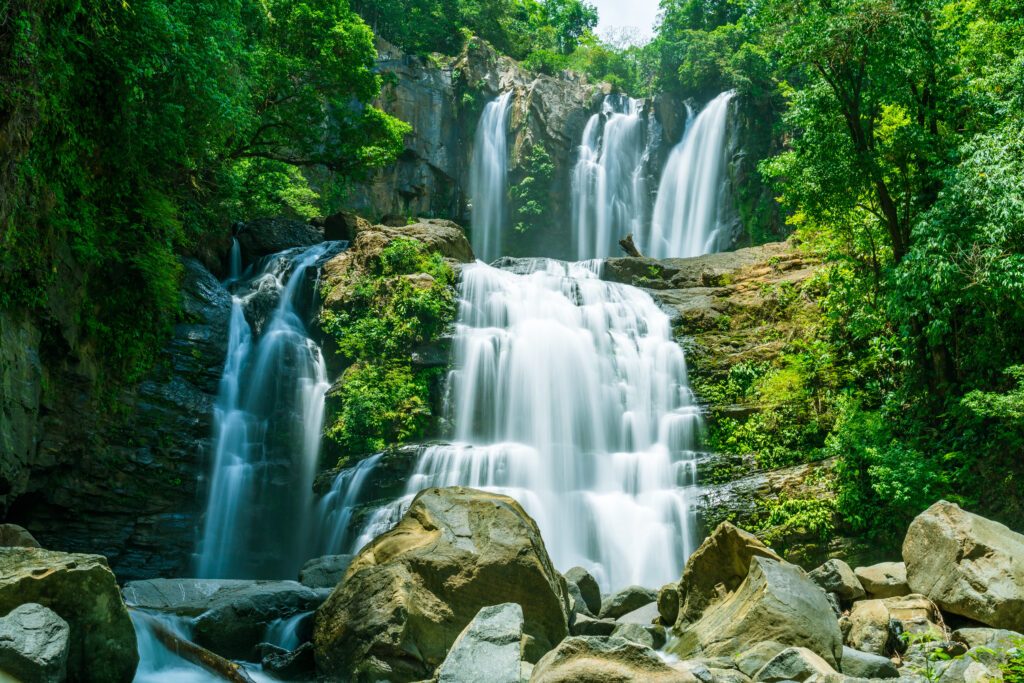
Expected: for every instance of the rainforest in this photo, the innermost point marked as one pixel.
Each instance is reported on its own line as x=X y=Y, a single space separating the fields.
x=466 y=340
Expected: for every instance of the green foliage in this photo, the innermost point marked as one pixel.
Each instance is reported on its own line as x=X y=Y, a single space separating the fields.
x=1013 y=665
x=153 y=125
x=531 y=196
x=405 y=300
x=784 y=518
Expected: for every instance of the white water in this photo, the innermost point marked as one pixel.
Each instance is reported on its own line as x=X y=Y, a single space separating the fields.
x=687 y=213
x=609 y=188
x=568 y=394
x=488 y=180
x=268 y=419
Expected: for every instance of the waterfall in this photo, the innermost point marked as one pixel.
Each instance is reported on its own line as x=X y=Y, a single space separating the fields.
x=609 y=188
x=568 y=394
x=488 y=179
x=687 y=212
x=267 y=423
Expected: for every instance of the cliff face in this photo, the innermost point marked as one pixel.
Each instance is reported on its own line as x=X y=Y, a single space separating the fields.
x=114 y=475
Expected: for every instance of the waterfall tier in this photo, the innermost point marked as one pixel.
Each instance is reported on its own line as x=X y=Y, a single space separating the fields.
x=488 y=181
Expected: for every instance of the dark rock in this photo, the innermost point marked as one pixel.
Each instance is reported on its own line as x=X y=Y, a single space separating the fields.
x=795 y=664
x=325 y=572
x=297 y=665
x=265 y=236
x=625 y=601
x=34 y=644
x=489 y=649
x=588 y=588
x=668 y=603
x=590 y=626
x=82 y=590
x=866 y=665
x=14 y=536
x=835 y=576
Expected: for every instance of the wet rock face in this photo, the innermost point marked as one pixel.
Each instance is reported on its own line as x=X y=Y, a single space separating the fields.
x=265 y=236
x=118 y=478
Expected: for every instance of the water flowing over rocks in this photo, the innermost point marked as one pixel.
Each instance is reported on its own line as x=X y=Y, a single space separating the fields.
x=410 y=593
x=82 y=591
x=967 y=565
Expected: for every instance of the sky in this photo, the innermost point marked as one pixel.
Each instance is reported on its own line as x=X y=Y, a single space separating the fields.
x=619 y=13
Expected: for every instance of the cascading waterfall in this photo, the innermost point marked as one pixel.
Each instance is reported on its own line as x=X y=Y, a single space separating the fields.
x=268 y=419
x=687 y=213
x=609 y=188
x=488 y=180
x=569 y=394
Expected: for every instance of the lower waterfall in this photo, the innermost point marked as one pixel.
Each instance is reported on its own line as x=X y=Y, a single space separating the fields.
x=568 y=394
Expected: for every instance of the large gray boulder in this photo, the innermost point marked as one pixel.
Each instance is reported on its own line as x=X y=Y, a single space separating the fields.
x=489 y=649
x=874 y=626
x=14 y=536
x=719 y=564
x=34 y=644
x=835 y=576
x=586 y=586
x=326 y=571
x=967 y=565
x=795 y=664
x=775 y=602
x=582 y=659
x=883 y=580
x=411 y=591
x=859 y=664
x=626 y=600
x=82 y=590
x=668 y=603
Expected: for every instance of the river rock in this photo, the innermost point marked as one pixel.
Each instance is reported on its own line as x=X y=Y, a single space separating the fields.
x=648 y=635
x=835 y=576
x=489 y=649
x=626 y=600
x=866 y=665
x=993 y=638
x=874 y=626
x=34 y=645
x=967 y=565
x=590 y=626
x=883 y=580
x=82 y=590
x=754 y=658
x=297 y=665
x=582 y=659
x=587 y=586
x=411 y=591
x=264 y=236
x=668 y=603
x=325 y=572
x=14 y=536
x=794 y=664
x=775 y=602
x=722 y=560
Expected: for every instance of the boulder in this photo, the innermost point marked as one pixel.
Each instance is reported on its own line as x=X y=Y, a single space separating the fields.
x=859 y=664
x=587 y=587
x=967 y=565
x=992 y=638
x=775 y=602
x=874 y=626
x=324 y=572
x=82 y=590
x=34 y=644
x=589 y=626
x=753 y=659
x=835 y=576
x=626 y=600
x=577 y=604
x=14 y=536
x=646 y=615
x=489 y=649
x=884 y=580
x=297 y=665
x=411 y=591
x=648 y=635
x=718 y=566
x=668 y=603
x=184 y=597
x=583 y=659
x=265 y=236
x=794 y=664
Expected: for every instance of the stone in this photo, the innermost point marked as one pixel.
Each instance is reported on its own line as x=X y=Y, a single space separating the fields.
x=696 y=669
x=754 y=658
x=590 y=626
x=625 y=601
x=716 y=568
x=646 y=615
x=587 y=586
x=582 y=659
x=325 y=572
x=297 y=665
x=867 y=665
x=967 y=565
x=648 y=635
x=489 y=649
x=265 y=236
x=835 y=576
x=34 y=644
x=728 y=676
x=775 y=602
x=875 y=625
x=82 y=590
x=992 y=638
x=668 y=603
x=14 y=536
x=411 y=591
x=884 y=580
x=577 y=604
x=794 y=664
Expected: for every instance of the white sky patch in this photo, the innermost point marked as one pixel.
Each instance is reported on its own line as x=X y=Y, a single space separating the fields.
x=635 y=15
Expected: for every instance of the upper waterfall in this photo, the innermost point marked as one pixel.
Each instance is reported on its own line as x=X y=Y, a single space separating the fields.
x=609 y=188
x=687 y=214
x=488 y=179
